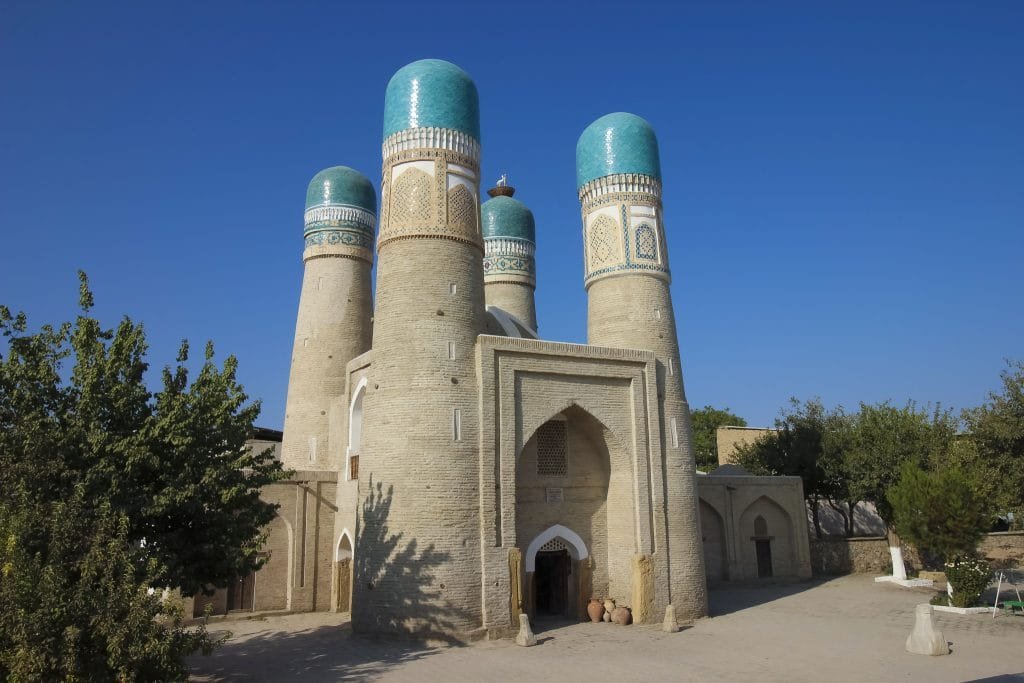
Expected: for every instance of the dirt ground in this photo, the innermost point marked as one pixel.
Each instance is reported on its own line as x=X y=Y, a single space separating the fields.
x=844 y=629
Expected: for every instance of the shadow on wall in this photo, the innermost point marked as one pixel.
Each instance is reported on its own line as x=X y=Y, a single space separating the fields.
x=323 y=653
x=418 y=609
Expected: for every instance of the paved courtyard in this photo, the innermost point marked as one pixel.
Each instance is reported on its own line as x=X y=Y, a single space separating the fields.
x=844 y=629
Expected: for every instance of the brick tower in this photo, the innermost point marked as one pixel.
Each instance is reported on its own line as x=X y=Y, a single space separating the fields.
x=417 y=558
x=510 y=274
x=618 y=177
x=335 y=310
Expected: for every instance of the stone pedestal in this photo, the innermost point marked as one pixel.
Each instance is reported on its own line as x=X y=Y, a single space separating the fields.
x=925 y=639
x=525 y=638
x=669 y=624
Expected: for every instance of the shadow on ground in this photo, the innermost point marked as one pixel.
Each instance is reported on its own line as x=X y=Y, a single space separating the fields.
x=729 y=598
x=324 y=653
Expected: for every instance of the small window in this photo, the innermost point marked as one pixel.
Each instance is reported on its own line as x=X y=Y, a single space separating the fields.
x=760 y=526
x=353 y=467
x=552 y=449
x=457 y=425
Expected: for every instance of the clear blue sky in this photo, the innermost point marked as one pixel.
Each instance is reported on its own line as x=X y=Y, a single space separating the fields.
x=844 y=182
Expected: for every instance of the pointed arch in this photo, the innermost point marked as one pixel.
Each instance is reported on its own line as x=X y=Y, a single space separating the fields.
x=344 y=548
x=529 y=431
x=355 y=426
x=577 y=548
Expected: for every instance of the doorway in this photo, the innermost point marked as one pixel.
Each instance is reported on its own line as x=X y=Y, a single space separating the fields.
x=240 y=593
x=551 y=583
x=764 y=559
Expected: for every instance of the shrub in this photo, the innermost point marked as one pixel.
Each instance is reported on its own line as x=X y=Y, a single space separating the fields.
x=969 y=577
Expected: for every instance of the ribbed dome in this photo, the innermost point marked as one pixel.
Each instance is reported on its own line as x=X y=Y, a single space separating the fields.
x=341 y=185
x=507 y=217
x=431 y=93
x=617 y=143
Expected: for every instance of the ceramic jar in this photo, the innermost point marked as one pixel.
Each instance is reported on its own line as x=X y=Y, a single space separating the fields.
x=595 y=610
x=622 y=616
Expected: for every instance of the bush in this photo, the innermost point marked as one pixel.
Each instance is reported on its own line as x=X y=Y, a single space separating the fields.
x=969 y=577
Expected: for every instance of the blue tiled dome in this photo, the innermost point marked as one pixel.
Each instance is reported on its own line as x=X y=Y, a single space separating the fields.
x=507 y=217
x=617 y=143
x=431 y=93
x=341 y=185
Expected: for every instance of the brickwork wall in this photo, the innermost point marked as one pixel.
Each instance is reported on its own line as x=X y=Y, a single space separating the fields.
x=332 y=328
x=635 y=311
x=514 y=298
x=729 y=506
x=417 y=558
x=728 y=439
x=605 y=392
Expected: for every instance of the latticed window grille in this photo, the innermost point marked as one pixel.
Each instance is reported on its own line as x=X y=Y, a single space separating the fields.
x=603 y=240
x=554 y=545
x=552 y=450
x=411 y=199
x=461 y=208
x=646 y=242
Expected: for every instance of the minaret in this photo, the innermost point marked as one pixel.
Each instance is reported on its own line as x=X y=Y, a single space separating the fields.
x=335 y=309
x=510 y=242
x=420 y=571
x=618 y=176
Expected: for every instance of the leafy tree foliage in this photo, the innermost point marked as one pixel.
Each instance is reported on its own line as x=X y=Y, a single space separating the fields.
x=881 y=438
x=995 y=448
x=74 y=607
x=801 y=446
x=706 y=422
x=158 y=488
x=938 y=511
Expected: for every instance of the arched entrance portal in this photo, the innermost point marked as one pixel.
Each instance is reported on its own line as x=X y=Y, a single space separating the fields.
x=554 y=566
x=575 y=510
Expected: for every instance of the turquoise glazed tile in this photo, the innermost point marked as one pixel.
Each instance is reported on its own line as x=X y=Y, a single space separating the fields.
x=617 y=143
x=341 y=185
x=431 y=93
x=507 y=217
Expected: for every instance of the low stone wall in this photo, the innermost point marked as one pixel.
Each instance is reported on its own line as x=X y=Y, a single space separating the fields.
x=865 y=555
x=1003 y=548
x=870 y=555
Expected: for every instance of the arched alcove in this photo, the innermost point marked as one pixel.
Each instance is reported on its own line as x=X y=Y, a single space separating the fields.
x=355 y=432
x=766 y=541
x=713 y=539
x=273 y=580
x=343 y=555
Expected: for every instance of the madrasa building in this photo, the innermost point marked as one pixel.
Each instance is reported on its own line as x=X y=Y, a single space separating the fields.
x=453 y=470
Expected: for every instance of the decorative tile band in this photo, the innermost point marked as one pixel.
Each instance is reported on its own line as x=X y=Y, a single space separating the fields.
x=621 y=182
x=509 y=246
x=430 y=192
x=334 y=215
x=623 y=234
x=436 y=138
x=348 y=243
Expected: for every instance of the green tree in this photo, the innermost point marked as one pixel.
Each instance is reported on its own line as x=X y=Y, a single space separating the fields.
x=938 y=511
x=881 y=438
x=995 y=453
x=169 y=472
x=706 y=422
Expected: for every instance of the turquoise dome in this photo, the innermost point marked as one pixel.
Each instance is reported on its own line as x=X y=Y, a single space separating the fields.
x=507 y=217
x=341 y=185
x=431 y=93
x=617 y=143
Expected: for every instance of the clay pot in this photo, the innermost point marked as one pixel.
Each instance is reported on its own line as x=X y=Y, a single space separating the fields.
x=609 y=605
x=607 y=617
x=622 y=616
x=595 y=610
